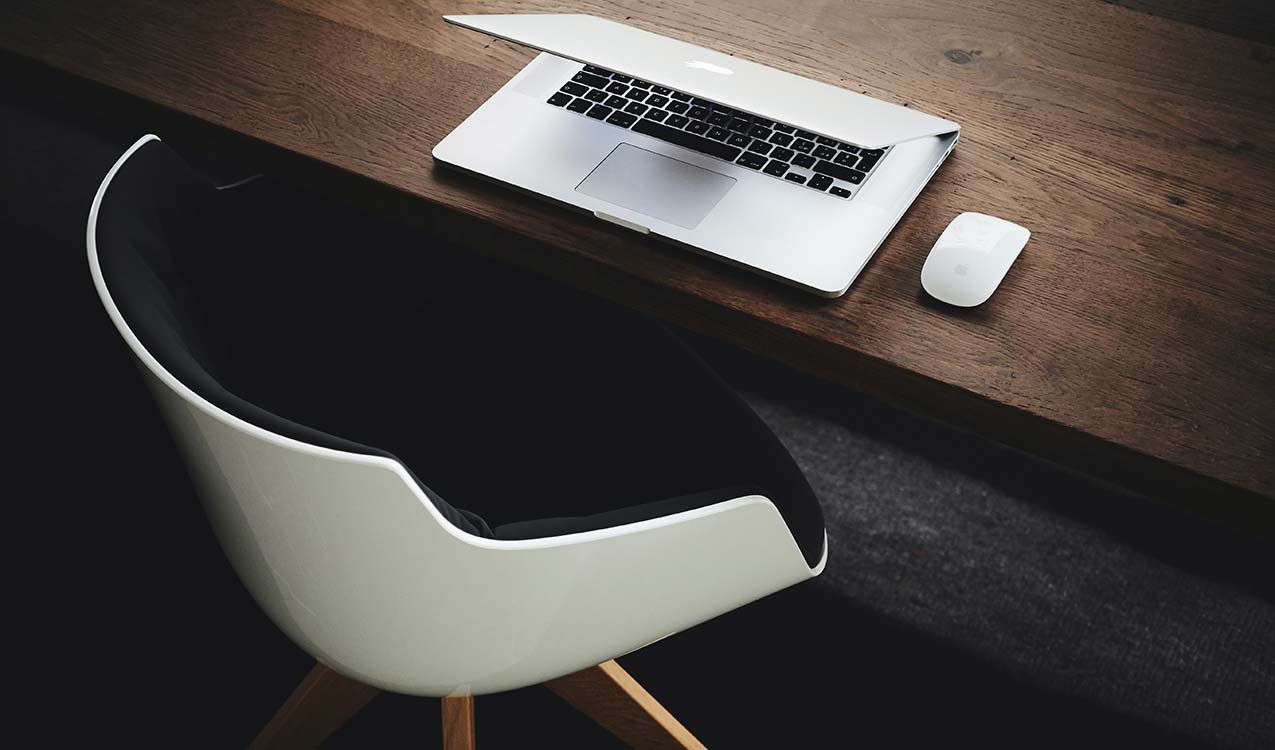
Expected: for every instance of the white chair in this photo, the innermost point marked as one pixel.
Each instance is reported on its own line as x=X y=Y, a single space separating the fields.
x=363 y=568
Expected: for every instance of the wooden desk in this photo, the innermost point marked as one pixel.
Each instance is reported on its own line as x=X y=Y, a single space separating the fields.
x=1133 y=340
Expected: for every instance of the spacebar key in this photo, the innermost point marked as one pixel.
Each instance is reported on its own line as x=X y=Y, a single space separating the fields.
x=689 y=140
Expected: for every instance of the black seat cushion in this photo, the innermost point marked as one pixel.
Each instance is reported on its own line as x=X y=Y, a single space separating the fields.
x=538 y=410
x=520 y=401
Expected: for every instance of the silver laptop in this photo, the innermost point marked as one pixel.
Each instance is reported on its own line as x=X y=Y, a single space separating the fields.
x=786 y=176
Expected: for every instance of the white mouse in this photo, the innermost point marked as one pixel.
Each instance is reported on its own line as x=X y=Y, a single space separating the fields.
x=971 y=257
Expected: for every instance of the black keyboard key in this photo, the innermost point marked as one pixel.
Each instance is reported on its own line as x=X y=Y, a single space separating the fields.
x=559 y=99
x=783 y=128
x=596 y=95
x=697 y=126
x=616 y=101
x=623 y=119
x=848 y=147
x=661 y=90
x=757 y=131
x=777 y=168
x=678 y=95
x=875 y=153
x=782 y=154
x=620 y=77
x=600 y=112
x=617 y=88
x=825 y=141
x=588 y=79
x=635 y=108
x=823 y=152
x=763 y=122
x=698 y=113
x=840 y=172
x=781 y=139
x=845 y=159
x=637 y=95
x=677 y=121
x=575 y=89
x=719 y=134
x=595 y=70
x=656 y=114
x=719 y=119
x=702 y=103
x=580 y=105
x=819 y=182
x=866 y=163
x=740 y=125
x=724 y=110
x=657 y=101
x=804 y=160
x=806 y=134
x=760 y=147
x=800 y=179
x=840 y=192
x=642 y=84
x=803 y=145
x=685 y=139
x=678 y=108
x=739 y=139
x=751 y=160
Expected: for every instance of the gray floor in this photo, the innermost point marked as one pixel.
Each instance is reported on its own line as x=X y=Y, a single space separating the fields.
x=1073 y=587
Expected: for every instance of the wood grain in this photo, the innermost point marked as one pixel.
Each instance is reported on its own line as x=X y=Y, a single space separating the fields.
x=458 y=723
x=611 y=697
x=1132 y=340
x=321 y=704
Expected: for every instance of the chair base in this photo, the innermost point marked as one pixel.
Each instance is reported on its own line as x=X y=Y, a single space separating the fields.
x=325 y=700
x=321 y=704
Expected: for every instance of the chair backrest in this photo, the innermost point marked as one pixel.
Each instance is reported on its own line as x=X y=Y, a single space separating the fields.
x=346 y=552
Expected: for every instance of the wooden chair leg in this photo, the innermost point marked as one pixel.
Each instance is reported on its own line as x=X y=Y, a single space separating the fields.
x=458 y=723
x=320 y=705
x=612 y=698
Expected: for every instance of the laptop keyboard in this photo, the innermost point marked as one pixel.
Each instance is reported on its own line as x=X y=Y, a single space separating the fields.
x=781 y=151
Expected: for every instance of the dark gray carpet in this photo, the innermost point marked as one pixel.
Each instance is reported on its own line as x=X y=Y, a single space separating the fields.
x=1055 y=580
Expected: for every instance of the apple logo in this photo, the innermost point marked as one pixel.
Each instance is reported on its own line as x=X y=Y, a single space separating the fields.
x=710 y=67
x=962 y=269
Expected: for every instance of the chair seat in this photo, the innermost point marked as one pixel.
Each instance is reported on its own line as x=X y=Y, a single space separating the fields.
x=544 y=411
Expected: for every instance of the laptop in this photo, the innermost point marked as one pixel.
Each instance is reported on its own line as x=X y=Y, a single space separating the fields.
x=773 y=172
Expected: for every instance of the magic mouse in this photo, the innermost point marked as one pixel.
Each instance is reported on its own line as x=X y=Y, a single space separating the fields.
x=971 y=257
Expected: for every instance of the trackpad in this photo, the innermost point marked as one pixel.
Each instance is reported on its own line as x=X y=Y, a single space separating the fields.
x=656 y=185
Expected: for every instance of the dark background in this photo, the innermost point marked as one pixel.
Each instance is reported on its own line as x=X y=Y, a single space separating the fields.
x=974 y=596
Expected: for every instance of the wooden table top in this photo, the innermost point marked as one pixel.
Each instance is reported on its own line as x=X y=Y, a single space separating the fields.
x=1134 y=339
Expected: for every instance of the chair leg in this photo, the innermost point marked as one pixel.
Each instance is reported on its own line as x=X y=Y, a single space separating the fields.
x=320 y=705
x=612 y=698
x=458 y=723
